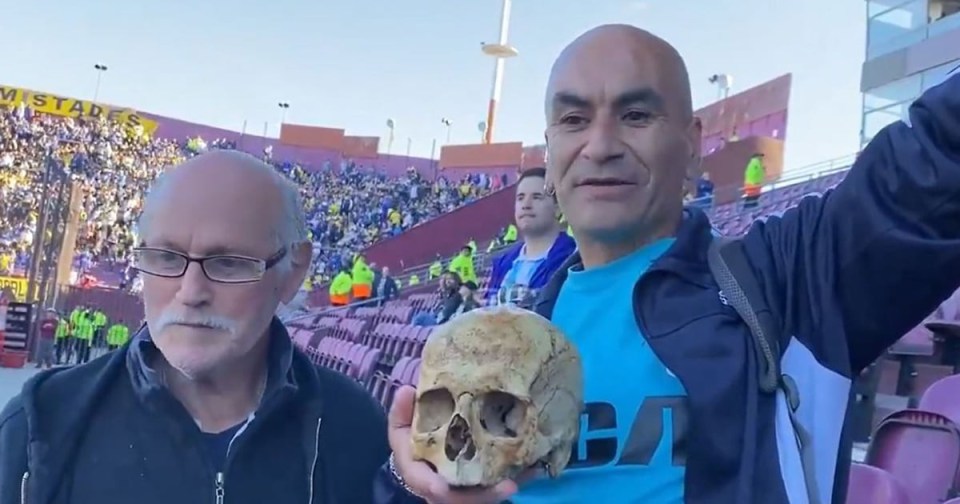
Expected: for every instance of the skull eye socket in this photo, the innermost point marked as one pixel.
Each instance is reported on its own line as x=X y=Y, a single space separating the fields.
x=435 y=407
x=502 y=414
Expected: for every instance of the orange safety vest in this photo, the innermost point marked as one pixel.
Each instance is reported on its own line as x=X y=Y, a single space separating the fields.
x=339 y=300
x=361 y=291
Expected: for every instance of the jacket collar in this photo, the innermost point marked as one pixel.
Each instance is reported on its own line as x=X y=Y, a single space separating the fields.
x=147 y=381
x=687 y=256
x=58 y=403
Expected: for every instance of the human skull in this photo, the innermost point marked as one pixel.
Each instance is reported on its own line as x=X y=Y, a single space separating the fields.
x=500 y=390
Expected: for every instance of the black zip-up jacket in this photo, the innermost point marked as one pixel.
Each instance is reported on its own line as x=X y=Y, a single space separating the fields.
x=108 y=432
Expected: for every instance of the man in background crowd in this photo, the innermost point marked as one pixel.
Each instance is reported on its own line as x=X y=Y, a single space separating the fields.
x=385 y=286
x=544 y=247
x=49 y=327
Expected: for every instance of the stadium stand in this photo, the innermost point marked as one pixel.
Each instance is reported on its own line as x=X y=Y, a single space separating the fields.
x=348 y=207
x=905 y=415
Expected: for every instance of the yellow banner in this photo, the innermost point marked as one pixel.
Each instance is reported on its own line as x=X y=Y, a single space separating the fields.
x=47 y=103
x=16 y=286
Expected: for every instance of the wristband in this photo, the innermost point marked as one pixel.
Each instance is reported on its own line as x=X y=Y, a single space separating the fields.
x=391 y=464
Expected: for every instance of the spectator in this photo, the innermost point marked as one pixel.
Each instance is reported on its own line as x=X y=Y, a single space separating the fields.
x=49 y=326
x=704 y=195
x=447 y=303
x=213 y=372
x=530 y=263
x=385 y=286
x=468 y=298
x=450 y=297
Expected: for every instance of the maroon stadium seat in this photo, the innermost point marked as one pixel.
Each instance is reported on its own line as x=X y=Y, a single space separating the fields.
x=921 y=449
x=871 y=485
x=943 y=397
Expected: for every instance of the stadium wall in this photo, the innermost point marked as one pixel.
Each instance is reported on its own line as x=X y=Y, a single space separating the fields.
x=444 y=235
x=392 y=165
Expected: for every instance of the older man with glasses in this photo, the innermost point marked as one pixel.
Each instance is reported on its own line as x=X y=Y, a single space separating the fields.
x=210 y=402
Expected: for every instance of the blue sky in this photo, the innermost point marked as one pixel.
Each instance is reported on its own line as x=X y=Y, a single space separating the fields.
x=354 y=63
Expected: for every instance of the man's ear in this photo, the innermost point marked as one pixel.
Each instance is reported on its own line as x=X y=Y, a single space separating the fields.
x=695 y=161
x=301 y=255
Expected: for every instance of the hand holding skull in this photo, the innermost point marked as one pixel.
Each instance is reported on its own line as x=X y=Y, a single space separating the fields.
x=500 y=392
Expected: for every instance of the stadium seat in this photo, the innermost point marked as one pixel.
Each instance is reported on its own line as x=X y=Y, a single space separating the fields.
x=921 y=449
x=871 y=485
x=367 y=366
x=391 y=382
x=943 y=397
x=412 y=372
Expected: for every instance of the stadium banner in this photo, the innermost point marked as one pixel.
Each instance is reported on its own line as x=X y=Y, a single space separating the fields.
x=47 y=103
x=17 y=286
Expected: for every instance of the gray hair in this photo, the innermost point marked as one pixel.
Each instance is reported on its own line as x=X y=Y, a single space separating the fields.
x=291 y=229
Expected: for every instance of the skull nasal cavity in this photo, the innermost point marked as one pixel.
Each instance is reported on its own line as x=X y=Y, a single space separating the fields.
x=459 y=440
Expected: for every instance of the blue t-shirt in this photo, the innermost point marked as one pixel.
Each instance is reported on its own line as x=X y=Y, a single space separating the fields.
x=631 y=444
x=218 y=444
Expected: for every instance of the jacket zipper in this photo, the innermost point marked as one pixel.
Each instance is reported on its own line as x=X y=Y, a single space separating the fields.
x=219 y=488
x=23 y=487
x=316 y=458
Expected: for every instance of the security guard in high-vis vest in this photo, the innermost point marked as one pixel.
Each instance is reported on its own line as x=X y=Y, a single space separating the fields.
x=99 y=323
x=436 y=269
x=62 y=340
x=510 y=235
x=362 y=276
x=83 y=332
x=117 y=335
x=340 y=288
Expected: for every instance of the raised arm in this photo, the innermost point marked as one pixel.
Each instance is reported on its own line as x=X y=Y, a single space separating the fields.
x=877 y=254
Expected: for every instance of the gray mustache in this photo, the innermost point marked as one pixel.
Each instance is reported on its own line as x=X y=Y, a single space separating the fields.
x=212 y=321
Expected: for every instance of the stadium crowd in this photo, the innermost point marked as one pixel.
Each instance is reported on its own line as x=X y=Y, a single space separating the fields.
x=348 y=207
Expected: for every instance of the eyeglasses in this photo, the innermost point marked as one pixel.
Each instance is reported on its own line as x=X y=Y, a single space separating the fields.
x=231 y=269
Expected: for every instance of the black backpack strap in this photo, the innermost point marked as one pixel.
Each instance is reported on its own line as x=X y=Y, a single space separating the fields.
x=740 y=287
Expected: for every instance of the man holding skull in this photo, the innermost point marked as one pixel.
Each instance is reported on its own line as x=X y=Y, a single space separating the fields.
x=674 y=412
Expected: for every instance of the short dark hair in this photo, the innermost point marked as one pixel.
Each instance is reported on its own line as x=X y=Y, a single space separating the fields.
x=537 y=173
x=533 y=172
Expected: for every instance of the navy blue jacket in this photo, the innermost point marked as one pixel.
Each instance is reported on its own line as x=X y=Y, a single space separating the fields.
x=107 y=432
x=561 y=249
x=845 y=276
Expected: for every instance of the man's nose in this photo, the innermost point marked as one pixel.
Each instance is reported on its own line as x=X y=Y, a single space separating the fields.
x=603 y=142
x=195 y=287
